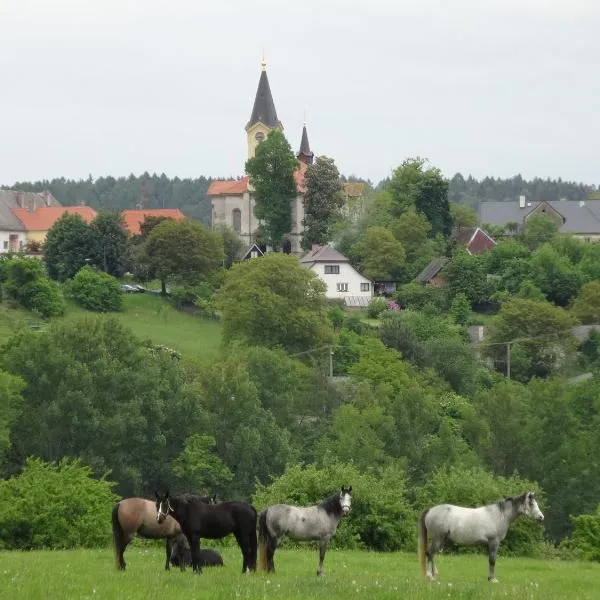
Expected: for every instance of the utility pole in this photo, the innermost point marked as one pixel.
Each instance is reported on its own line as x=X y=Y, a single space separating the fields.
x=331 y=361
x=508 y=359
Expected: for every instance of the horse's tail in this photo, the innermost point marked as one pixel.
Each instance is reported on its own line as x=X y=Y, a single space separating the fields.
x=118 y=538
x=263 y=540
x=423 y=542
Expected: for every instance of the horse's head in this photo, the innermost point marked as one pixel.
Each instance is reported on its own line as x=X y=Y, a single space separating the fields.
x=346 y=499
x=163 y=506
x=529 y=507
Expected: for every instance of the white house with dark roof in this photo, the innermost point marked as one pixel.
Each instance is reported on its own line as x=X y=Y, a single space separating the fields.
x=582 y=218
x=343 y=281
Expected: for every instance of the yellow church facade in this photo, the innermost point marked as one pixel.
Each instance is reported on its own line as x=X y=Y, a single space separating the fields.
x=232 y=201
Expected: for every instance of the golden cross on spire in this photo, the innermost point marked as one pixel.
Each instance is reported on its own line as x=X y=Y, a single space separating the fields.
x=305 y=111
x=264 y=61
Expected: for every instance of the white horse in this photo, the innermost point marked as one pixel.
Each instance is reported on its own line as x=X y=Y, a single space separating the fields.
x=469 y=526
x=317 y=522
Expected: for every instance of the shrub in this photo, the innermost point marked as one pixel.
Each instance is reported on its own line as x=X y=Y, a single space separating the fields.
x=199 y=296
x=55 y=506
x=96 y=290
x=416 y=296
x=380 y=517
x=26 y=283
x=376 y=307
x=460 y=309
x=476 y=487
x=585 y=541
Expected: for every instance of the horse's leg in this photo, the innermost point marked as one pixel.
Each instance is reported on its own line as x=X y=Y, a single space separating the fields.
x=436 y=545
x=271 y=547
x=492 y=549
x=322 y=550
x=194 y=542
x=168 y=551
x=121 y=551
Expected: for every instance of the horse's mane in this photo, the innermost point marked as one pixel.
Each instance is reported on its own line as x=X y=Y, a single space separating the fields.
x=501 y=504
x=331 y=504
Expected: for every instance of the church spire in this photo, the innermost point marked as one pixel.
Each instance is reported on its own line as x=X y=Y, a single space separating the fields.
x=305 y=155
x=264 y=108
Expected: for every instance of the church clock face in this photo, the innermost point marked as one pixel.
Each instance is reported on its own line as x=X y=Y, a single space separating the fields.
x=260 y=136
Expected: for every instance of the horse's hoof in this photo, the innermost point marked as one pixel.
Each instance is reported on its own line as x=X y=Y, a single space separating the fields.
x=494 y=580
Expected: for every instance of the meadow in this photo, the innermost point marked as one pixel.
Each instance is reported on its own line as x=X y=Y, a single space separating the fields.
x=91 y=574
x=149 y=316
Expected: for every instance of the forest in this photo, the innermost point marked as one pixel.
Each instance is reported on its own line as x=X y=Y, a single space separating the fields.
x=303 y=394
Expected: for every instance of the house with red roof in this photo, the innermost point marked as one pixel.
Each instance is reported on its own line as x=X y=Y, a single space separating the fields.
x=232 y=200
x=133 y=219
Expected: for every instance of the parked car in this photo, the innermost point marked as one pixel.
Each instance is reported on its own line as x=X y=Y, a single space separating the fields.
x=132 y=289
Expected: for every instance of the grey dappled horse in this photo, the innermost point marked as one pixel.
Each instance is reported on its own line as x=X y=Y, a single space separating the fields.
x=317 y=522
x=470 y=526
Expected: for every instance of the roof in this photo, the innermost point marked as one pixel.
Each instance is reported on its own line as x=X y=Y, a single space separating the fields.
x=248 y=252
x=579 y=217
x=305 y=146
x=474 y=239
x=354 y=189
x=237 y=187
x=431 y=270
x=10 y=199
x=324 y=253
x=264 y=107
x=44 y=217
x=133 y=219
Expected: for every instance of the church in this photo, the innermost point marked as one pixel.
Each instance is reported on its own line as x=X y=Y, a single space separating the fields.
x=232 y=201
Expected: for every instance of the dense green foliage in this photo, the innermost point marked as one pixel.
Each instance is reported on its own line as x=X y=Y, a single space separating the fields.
x=55 y=506
x=96 y=290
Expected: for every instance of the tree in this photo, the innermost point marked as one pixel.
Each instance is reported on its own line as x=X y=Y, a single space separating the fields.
x=586 y=306
x=412 y=229
x=463 y=216
x=271 y=173
x=110 y=243
x=322 y=201
x=381 y=255
x=232 y=245
x=69 y=245
x=10 y=406
x=465 y=274
x=460 y=308
x=183 y=251
x=552 y=344
x=538 y=230
x=272 y=301
x=96 y=290
x=424 y=190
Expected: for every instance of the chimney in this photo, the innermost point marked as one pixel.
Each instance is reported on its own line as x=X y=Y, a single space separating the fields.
x=521 y=201
x=19 y=199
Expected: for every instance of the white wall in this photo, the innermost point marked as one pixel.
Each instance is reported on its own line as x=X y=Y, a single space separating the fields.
x=4 y=240
x=347 y=275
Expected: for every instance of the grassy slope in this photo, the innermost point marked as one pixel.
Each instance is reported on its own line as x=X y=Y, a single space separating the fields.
x=92 y=574
x=149 y=316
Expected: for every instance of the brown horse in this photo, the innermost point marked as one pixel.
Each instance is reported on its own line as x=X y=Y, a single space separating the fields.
x=138 y=516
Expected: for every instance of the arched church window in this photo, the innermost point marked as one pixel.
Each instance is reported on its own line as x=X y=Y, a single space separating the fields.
x=236 y=217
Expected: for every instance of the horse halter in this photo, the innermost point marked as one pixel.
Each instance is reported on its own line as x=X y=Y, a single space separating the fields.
x=160 y=512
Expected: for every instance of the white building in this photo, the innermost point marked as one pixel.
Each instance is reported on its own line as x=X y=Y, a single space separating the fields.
x=343 y=281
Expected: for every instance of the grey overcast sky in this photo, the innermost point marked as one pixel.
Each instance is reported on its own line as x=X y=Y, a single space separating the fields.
x=486 y=87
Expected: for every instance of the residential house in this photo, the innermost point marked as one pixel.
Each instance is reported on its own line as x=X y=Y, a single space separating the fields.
x=253 y=251
x=581 y=219
x=133 y=219
x=13 y=234
x=474 y=239
x=343 y=281
x=430 y=275
x=38 y=222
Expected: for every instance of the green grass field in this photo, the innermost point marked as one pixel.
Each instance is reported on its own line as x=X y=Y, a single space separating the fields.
x=148 y=315
x=348 y=574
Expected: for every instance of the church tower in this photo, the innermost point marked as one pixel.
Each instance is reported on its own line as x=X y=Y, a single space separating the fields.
x=264 y=116
x=305 y=155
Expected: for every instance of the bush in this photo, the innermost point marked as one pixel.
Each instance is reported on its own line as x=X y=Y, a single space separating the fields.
x=55 y=506
x=415 y=296
x=585 y=541
x=199 y=296
x=376 y=307
x=26 y=283
x=380 y=517
x=476 y=487
x=96 y=290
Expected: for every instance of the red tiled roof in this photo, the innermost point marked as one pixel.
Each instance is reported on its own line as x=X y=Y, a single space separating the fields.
x=234 y=187
x=132 y=219
x=44 y=217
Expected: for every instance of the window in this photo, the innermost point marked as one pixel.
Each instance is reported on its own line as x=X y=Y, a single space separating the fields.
x=364 y=287
x=332 y=269
x=236 y=216
x=5 y=245
x=342 y=287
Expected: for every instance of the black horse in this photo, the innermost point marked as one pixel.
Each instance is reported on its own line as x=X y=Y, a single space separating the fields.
x=212 y=521
x=180 y=555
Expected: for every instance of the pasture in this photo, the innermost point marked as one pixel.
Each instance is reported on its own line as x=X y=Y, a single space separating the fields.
x=149 y=316
x=91 y=574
